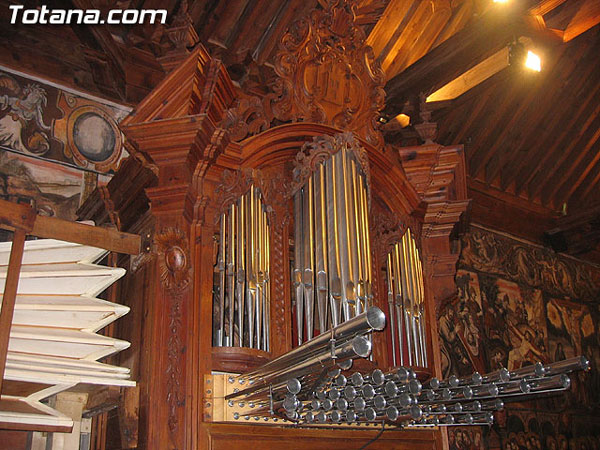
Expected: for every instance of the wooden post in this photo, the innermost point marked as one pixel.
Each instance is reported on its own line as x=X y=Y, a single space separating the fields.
x=10 y=295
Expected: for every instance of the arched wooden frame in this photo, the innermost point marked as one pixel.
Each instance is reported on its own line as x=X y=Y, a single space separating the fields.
x=267 y=161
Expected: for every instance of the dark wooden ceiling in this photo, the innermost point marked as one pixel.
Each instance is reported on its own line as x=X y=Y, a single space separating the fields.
x=531 y=139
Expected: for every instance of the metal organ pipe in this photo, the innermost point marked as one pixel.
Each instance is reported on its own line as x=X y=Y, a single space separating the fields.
x=406 y=297
x=332 y=264
x=243 y=274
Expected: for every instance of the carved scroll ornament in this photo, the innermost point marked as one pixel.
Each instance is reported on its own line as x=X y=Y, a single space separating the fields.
x=320 y=149
x=325 y=74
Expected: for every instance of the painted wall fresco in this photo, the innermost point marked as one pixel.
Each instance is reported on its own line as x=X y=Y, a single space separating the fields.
x=55 y=147
x=518 y=304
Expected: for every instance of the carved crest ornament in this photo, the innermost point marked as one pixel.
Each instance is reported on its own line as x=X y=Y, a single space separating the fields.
x=325 y=74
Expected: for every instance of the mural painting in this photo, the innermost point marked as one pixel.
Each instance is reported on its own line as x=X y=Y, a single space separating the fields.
x=55 y=146
x=524 y=304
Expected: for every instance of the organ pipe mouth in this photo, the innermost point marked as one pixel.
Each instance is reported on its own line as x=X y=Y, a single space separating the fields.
x=376 y=318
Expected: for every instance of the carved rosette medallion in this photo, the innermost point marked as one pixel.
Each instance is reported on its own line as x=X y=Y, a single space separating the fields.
x=172 y=247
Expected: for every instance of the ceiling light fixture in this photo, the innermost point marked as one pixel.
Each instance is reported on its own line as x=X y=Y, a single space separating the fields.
x=533 y=61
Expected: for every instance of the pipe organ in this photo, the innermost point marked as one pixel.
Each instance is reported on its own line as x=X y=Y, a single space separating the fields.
x=406 y=307
x=332 y=258
x=242 y=294
x=283 y=227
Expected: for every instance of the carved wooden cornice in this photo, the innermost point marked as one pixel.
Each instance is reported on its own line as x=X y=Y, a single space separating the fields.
x=325 y=74
x=436 y=172
x=440 y=218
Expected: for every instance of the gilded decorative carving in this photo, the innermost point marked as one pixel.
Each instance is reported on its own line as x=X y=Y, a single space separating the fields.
x=325 y=74
x=533 y=266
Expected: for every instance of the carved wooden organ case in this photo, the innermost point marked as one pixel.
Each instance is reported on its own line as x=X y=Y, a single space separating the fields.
x=269 y=219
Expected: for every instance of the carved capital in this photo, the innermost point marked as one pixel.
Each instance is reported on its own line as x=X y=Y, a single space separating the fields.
x=441 y=217
x=435 y=171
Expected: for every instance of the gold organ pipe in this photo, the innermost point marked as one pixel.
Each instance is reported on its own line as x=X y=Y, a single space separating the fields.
x=250 y=283
x=400 y=290
x=358 y=220
x=343 y=244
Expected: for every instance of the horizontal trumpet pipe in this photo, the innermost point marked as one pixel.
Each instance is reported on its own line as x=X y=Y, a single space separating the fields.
x=358 y=347
x=372 y=319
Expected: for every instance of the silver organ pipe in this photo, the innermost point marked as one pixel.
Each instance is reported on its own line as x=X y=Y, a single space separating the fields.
x=406 y=303
x=332 y=264
x=243 y=291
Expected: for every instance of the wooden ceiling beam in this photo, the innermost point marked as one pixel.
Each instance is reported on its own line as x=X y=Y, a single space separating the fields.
x=254 y=21
x=530 y=172
x=545 y=6
x=103 y=37
x=416 y=38
x=229 y=14
x=536 y=100
x=553 y=147
x=551 y=122
x=274 y=28
x=390 y=27
x=586 y=160
x=585 y=189
x=456 y=55
x=476 y=99
x=506 y=102
x=588 y=130
x=501 y=141
x=586 y=17
x=457 y=22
